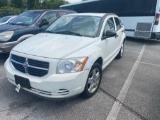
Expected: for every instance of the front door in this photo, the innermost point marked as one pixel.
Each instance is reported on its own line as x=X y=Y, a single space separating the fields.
x=109 y=42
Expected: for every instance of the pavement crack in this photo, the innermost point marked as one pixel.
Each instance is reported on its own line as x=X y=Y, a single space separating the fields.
x=106 y=93
x=25 y=117
x=4 y=110
x=124 y=105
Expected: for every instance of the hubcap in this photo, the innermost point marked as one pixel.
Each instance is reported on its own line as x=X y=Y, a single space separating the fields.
x=93 y=80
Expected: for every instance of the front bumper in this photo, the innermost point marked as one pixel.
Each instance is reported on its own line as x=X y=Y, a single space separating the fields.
x=7 y=46
x=54 y=86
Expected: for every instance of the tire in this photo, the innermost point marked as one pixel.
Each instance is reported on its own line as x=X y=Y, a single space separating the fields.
x=93 y=81
x=120 y=54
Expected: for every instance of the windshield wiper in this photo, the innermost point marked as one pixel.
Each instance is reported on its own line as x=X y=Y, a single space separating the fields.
x=47 y=31
x=68 y=33
x=64 y=32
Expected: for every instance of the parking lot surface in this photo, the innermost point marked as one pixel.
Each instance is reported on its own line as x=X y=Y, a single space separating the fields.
x=129 y=91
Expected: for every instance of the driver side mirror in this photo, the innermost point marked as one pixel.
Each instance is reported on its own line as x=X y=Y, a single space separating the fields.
x=109 y=34
x=43 y=22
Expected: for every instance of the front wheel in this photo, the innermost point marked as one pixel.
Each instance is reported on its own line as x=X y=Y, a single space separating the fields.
x=93 y=81
x=120 y=54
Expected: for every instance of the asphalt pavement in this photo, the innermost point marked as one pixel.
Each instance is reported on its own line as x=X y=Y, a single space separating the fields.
x=129 y=91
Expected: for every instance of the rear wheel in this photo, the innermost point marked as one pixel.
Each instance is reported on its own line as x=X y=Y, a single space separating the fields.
x=120 y=54
x=93 y=81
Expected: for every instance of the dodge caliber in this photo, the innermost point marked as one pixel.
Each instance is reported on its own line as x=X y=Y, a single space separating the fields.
x=68 y=58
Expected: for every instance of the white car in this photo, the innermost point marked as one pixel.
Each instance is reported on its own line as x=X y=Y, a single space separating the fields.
x=6 y=19
x=68 y=58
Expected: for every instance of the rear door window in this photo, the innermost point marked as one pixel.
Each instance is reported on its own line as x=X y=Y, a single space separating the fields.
x=118 y=23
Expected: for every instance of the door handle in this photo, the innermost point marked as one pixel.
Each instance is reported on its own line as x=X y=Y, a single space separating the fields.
x=116 y=36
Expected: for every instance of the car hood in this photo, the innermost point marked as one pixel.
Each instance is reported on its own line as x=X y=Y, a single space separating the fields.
x=9 y=27
x=53 y=45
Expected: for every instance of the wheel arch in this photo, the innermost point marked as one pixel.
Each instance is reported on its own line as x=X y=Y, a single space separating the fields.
x=24 y=37
x=99 y=61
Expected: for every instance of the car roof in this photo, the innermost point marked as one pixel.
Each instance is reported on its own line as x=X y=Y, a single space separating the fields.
x=56 y=10
x=93 y=14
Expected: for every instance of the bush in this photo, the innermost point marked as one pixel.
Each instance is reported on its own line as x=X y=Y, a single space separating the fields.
x=15 y=7
x=5 y=11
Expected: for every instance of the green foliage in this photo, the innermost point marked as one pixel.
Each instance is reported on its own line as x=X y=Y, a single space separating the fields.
x=3 y=3
x=16 y=3
x=18 y=6
x=52 y=4
x=32 y=4
x=7 y=10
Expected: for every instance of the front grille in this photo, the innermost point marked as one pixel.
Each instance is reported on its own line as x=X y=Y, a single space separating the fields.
x=18 y=67
x=30 y=66
x=18 y=58
x=37 y=72
x=38 y=63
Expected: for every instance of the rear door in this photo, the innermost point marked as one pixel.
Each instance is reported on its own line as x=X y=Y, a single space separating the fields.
x=119 y=30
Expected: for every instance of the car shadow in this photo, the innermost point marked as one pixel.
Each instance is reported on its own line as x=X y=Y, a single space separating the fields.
x=26 y=100
x=138 y=40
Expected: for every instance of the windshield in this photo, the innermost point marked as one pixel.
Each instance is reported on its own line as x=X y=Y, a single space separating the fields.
x=76 y=25
x=26 y=18
x=4 y=19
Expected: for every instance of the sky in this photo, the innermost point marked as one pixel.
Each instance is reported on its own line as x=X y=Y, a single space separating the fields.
x=73 y=1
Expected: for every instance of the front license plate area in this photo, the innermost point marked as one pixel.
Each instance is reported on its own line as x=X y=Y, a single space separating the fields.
x=24 y=82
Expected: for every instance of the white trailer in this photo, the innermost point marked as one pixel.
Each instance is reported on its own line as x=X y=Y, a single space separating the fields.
x=140 y=17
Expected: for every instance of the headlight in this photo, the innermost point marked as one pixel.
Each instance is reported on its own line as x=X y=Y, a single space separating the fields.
x=71 y=65
x=5 y=36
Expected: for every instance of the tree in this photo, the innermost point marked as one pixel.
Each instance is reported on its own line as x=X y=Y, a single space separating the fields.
x=52 y=4
x=24 y=3
x=58 y=3
x=3 y=3
x=16 y=3
x=32 y=4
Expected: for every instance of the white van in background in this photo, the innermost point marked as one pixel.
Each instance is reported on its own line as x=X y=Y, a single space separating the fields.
x=140 y=17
